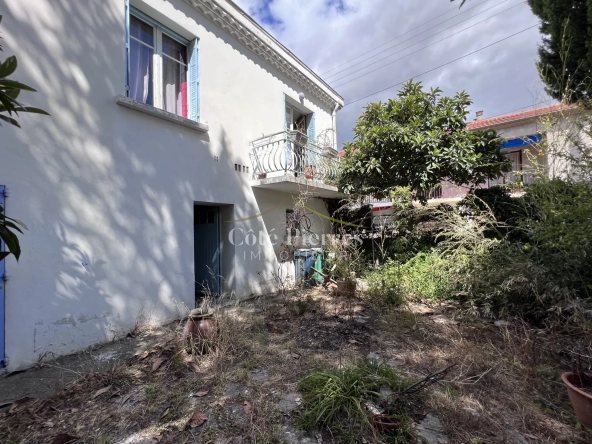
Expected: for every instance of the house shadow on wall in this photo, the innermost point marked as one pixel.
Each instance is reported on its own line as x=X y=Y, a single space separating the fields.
x=110 y=209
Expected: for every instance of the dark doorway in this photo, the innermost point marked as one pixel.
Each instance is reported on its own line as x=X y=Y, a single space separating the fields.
x=207 y=250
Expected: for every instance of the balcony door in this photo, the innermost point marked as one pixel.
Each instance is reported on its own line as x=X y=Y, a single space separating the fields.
x=300 y=126
x=516 y=159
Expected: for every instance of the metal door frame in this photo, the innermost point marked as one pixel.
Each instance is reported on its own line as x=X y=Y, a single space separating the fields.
x=219 y=236
x=2 y=289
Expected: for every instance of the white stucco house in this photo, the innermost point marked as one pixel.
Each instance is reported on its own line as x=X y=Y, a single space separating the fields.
x=533 y=140
x=530 y=139
x=180 y=131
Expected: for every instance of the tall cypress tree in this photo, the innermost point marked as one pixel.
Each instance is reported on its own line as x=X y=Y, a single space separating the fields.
x=565 y=56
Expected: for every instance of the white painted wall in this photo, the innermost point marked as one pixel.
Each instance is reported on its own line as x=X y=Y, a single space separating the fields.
x=559 y=130
x=113 y=188
x=531 y=155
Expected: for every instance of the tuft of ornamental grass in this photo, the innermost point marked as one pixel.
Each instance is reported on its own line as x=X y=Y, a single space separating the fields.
x=336 y=398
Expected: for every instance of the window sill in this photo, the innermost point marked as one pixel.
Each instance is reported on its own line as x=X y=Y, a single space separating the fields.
x=161 y=114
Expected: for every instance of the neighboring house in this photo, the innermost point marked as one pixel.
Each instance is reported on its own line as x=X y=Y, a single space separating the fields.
x=180 y=131
x=525 y=133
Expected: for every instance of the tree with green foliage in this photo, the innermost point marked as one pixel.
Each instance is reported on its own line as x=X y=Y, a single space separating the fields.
x=418 y=141
x=10 y=108
x=565 y=56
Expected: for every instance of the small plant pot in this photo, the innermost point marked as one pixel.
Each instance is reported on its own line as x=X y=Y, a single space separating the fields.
x=580 y=400
x=385 y=422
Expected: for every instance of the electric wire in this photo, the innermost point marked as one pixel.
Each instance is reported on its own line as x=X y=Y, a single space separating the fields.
x=412 y=37
x=411 y=53
x=405 y=33
x=441 y=66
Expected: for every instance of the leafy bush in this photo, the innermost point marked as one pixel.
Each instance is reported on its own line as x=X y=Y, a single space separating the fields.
x=385 y=284
x=507 y=281
x=425 y=276
x=544 y=274
x=508 y=211
x=335 y=398
x=561 y=214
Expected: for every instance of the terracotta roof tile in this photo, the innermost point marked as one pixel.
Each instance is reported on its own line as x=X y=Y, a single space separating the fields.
x=507 y=118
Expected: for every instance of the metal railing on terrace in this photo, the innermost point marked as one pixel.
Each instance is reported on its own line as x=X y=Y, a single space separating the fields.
x=292 y=153
x=446 y=190
x=515 y=179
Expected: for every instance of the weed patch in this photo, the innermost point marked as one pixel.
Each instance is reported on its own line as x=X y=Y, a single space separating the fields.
x=425 y=276
x=337 y=398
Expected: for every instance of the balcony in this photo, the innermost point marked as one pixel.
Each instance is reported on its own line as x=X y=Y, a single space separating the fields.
x=288 y=161
x=515 y=180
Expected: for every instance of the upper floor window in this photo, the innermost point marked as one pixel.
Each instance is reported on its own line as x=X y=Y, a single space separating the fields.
x=162 y=67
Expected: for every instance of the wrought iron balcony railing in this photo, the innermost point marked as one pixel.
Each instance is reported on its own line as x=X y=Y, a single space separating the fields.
x=292 y=153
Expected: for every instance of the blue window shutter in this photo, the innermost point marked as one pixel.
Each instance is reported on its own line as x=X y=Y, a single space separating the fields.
x=127 y=48
x=285 y=115
x=311 y=133
x=193 y=77
x=2 y=293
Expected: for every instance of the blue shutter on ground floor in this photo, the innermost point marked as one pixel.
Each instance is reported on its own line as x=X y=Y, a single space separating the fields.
x=193 y=77
x=2 y=292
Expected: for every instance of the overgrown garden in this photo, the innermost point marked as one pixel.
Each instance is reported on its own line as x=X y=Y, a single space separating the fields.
x=506 y=251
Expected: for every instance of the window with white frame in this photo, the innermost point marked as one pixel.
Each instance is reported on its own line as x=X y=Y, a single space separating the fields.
x=162 y=67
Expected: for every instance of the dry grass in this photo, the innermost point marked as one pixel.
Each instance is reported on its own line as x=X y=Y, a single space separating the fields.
x=505 y=386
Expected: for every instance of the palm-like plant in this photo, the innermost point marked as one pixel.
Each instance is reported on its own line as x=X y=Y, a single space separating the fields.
x=10 y=108
x=10 y=90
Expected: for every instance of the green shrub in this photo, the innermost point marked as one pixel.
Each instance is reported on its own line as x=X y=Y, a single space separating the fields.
x=385 y=284
x=510 y=280
x=335 y=398
x=508 y=211
x=502 y=256
x=425 y=276
x=544 y=274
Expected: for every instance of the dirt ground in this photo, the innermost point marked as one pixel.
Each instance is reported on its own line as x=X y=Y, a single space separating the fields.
x=504 y=388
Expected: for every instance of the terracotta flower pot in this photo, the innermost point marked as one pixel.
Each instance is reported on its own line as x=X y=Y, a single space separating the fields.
x=200 y=327
x=580 y=400
x=385 y=422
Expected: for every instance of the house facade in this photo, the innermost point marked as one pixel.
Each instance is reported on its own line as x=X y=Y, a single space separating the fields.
x=525 y=135
x=180 y=134
x=531 y=140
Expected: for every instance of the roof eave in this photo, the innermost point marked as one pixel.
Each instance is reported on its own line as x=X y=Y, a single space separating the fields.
x=229 y=18
x=523 y=120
